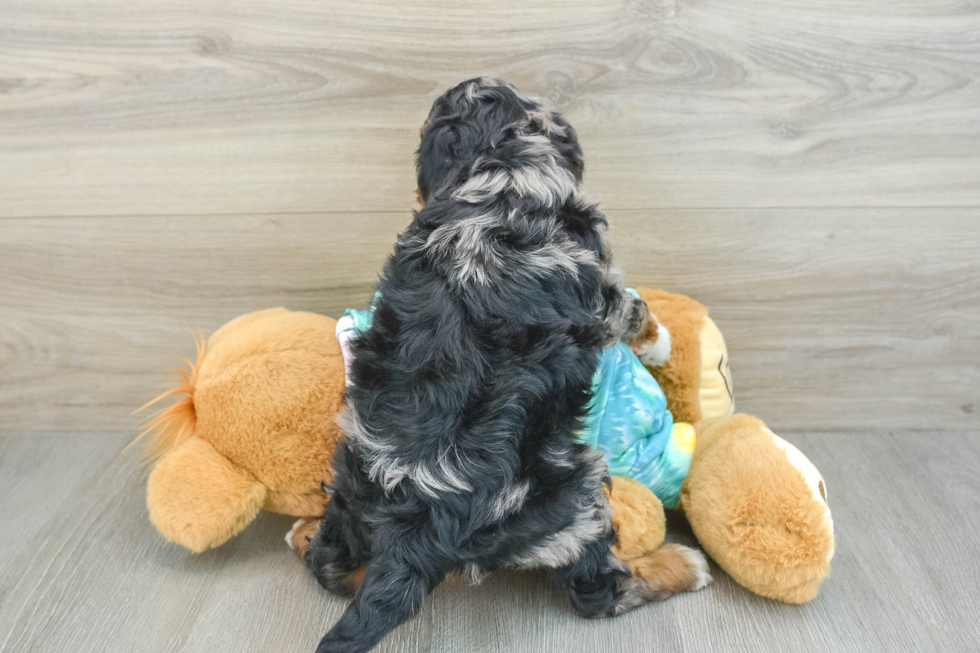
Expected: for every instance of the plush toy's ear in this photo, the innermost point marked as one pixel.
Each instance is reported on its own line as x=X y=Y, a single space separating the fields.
x=198 y=498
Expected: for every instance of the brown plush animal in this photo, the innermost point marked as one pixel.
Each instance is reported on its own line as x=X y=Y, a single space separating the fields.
x=755 y=502
x=255 y=429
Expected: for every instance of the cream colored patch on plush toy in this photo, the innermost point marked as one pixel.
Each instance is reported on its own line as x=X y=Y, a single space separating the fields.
x=715 y=393
x=810 y=474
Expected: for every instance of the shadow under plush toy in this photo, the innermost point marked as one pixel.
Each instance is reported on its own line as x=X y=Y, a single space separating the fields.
x=255 y=429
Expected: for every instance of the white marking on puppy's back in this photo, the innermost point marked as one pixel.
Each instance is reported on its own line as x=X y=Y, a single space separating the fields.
x=388 y=470
x=468 y=244
x=509 y=500
x=563 y=254
x=591 y=522
x=550 y=185
x=481 y=186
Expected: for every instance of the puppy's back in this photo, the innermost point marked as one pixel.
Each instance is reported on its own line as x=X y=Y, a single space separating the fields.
x=487 y=329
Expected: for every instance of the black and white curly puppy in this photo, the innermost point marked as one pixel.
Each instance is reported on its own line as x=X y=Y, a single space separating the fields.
x=470 y=384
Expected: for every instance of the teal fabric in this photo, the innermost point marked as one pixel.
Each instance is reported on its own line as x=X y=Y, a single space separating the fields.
x=362 y=319
x=627 y=420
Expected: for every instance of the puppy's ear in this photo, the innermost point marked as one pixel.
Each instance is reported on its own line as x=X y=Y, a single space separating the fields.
x=567 y=143
x=437 y=162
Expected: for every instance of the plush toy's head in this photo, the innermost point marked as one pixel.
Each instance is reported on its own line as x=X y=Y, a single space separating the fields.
x=759 y=508
x=254 y=430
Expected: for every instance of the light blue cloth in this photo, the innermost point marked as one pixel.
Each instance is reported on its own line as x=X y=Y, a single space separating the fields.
x=361 y=320
x=627 y=418
x=629 y=422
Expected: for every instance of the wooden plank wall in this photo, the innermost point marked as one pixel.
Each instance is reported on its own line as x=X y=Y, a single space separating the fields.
x=810 y=170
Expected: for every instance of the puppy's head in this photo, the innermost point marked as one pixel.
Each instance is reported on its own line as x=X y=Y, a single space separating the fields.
x=487 y=117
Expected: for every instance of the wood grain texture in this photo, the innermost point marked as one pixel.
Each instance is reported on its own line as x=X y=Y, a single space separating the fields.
x=81 y=569
x=136 y=107
x=835 y=319
x=170 y=166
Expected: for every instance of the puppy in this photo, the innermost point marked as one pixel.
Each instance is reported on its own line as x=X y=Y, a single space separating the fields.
x=472 y=380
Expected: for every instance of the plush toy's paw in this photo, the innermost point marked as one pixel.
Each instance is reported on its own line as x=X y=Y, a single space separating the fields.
x=656 y=351
x=671 y=569
x=699 y=566
x=299 y=536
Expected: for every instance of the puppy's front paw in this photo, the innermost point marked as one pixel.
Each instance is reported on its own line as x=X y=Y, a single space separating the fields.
x=299 y=536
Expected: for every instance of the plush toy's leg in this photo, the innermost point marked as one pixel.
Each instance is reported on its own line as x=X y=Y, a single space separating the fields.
x=198 y=498
x=672 y=569
x=640 y=526
x=638 y=519
x=286 y=502
x=339 y=550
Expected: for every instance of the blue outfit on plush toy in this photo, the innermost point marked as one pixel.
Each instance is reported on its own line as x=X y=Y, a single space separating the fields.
x=627 y=418
x=628 y=421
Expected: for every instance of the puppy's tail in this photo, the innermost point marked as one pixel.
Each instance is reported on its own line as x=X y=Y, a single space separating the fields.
x=170 y=426
x=671 y=569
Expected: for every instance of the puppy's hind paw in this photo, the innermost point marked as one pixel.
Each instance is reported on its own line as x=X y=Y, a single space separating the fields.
x=299 y=536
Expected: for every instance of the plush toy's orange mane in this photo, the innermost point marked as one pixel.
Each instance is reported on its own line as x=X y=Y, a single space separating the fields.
x=170 y=426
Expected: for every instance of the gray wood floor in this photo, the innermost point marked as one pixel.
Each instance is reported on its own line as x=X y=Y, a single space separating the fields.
x=81 y=569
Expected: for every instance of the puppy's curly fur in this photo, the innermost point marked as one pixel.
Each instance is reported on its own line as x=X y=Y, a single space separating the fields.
x=471 y=383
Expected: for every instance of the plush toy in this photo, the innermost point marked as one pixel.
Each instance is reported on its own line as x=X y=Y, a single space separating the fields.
x=755 y=502
x=255 y=429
